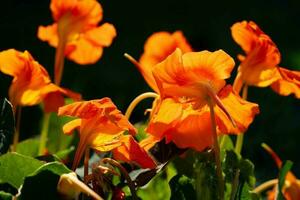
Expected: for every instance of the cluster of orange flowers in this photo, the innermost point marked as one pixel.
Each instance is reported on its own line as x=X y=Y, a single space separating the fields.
x=189 y=86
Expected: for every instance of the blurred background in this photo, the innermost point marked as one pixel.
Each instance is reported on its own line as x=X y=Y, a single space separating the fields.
x=206 y=25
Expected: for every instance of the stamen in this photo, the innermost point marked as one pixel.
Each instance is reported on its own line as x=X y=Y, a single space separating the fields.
x=273 y=154
x=132 y=60
x=137 y=100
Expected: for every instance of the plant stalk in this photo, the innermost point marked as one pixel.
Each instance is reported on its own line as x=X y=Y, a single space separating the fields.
x=86 y=163
x=59 y=61
x=44 y=134
x=17 y=132
x=216 y=148
x=240 y=137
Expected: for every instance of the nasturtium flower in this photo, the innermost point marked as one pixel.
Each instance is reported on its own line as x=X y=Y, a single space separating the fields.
x=291 y=188
x=259 y=66
x=76 y=30
x=186 y=83
x=101 y=127
x=31 y=83
x=157 y=48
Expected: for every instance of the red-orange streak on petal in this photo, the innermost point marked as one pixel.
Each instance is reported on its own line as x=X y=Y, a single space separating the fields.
x=87 y=109
x=241 y=111
x=131 y=151
x=289 y=83
x=258 y=67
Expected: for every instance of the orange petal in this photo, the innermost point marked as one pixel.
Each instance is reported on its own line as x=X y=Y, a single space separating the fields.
x=29 y=77
x=191 y=74
x=89 y=11
x=288 y=84
x=149 y=142
x=157 y=48
x=12 y=62
x=131 y=151
x=168 y=115
x=83 y=51
x=86 y=109
x=53 y=97
x=258 y=67
x=69 y=127
x=241 y=111
x=48 y=34
x=245 y=34
x=194 y=131
x=102 y=35
x=209 y=66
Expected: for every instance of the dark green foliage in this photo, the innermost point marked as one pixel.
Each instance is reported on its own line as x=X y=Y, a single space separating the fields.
x=182 y=188
x=286 y=167
x=42 y=184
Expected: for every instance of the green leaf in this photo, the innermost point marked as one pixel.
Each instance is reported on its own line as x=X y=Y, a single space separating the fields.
x=14 y=167
x=286 y=167
x=158 y=188
x=246 y=193
x=57 y=140
x=7 y=125
x=5 y=196
x=42 y=184
x=29 y=147
x=141 y=134
x=226 y=144
x=182 y=188
x=185 y=164
x=63 y=154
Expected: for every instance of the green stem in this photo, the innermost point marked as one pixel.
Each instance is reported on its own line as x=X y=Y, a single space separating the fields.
x=240 y=137
x=235 y=184
x=137 y=100
x=216 y=149
x=44 y=134
x=17 y=132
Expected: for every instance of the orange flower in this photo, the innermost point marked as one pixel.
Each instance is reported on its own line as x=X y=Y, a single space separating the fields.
x=259 y=67
x=130 y=151
x=157 y=48
x=76 y=30
x=31 y=83
x=101 y=126
x=186 y=83
x=291 y=189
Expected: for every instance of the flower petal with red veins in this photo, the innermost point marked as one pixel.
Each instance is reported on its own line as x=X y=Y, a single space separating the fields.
x=131 y=151
x=288 y=84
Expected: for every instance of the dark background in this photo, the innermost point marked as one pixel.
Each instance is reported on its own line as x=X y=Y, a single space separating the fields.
x=206 y=25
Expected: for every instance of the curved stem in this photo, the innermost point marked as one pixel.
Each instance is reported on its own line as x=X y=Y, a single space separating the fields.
x=44 y=134
x=59 y=61
x=265 y=186
x=216 y=148
x=240 y=137
x=124 y=173
x=137 y=100
x=86 y=163
x=17 y=132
